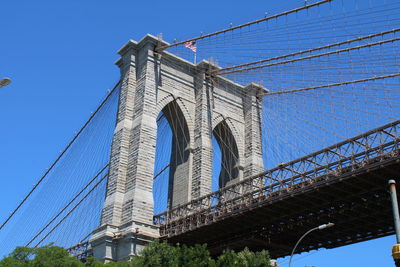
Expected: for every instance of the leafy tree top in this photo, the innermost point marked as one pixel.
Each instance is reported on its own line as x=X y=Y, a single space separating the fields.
x=155 y=254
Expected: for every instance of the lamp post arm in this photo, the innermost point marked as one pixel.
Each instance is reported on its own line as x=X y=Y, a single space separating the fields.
x=298 y=242
x=321 y=227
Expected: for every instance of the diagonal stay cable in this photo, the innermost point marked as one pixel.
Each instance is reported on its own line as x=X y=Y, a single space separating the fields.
x=162 y=170
x=69 y=213
x=60 y=156
x=68 y=204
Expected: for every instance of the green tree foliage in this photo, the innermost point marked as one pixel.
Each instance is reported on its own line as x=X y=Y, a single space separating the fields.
x=155 y=254
x=158 y=254
x=244 y=258
x=48 y=256
x=197 y=256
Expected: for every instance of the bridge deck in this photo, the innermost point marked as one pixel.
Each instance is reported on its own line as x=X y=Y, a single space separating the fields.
x=272 y=210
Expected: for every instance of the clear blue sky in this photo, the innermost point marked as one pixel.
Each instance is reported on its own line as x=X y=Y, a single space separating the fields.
x=60 y=54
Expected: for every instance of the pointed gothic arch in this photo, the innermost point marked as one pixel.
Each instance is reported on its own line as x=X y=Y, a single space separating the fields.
x=229 y=161
x=179 y=158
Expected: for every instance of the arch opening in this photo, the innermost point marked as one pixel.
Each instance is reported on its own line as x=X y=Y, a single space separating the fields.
x=172 y=165
x=225 y=156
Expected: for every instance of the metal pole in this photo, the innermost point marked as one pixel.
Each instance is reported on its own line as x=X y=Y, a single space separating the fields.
x=396 y=219
x=395 y=208
x=321 y=227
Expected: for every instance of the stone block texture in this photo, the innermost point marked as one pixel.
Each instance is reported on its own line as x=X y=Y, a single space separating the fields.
x=197 y=106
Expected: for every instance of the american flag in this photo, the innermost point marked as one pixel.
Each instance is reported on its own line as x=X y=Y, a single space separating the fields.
x=191 y=45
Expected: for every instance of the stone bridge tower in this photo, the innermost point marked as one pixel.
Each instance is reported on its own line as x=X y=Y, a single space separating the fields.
x=196 y=107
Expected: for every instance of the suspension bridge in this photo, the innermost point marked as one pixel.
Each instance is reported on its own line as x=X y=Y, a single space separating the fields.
x=244 y=137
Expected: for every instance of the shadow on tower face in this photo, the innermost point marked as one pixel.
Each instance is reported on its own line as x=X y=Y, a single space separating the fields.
x=178 y=186
x=229 y=153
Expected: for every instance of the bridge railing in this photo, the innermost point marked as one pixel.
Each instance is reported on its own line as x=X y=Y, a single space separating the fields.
x=334 y=160
x=80 y=251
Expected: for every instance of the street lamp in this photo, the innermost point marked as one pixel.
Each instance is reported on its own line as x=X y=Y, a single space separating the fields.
x=321 y=227
x=4 y=82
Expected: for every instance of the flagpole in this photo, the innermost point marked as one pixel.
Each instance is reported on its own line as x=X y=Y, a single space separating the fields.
x=192 y=46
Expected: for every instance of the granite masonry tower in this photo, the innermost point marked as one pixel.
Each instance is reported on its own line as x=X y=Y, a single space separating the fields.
x=162 y=82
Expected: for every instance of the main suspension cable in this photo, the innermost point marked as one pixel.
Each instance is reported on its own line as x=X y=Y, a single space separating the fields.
x=163 y=47
x=69 y=213
x=68 y=204
x=309 y=50
x=60 y=156
x=332 y=85
x=310 y=57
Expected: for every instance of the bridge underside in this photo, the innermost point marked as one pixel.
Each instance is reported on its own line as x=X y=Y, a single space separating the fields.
x=357 y=201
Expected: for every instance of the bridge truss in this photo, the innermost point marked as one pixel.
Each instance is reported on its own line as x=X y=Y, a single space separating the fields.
x=344 y=183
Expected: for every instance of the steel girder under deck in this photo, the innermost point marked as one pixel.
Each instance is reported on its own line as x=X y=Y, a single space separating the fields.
x=358 y=203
